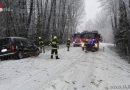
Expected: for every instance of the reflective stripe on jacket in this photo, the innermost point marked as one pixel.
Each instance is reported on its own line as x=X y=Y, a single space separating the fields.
x=68 y=43
x=54 y=44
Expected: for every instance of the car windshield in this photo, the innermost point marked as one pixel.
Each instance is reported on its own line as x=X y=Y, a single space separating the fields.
x=4 y=42
x=76 y=36
x=89 y=35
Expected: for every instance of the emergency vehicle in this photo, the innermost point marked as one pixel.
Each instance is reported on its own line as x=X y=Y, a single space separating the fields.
x=93 y=38
x=76 y=39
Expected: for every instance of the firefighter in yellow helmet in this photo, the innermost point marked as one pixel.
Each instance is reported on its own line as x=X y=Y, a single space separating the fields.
x=68 y=44
x=54 y=45
x=41 y=44
x=86 y=45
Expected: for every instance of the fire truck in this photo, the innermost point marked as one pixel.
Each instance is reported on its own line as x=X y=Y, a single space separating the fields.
x=93 y=38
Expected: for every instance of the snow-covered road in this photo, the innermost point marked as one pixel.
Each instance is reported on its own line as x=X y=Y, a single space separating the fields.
x=76 y=70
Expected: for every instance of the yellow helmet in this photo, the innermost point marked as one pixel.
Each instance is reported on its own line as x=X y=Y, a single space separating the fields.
x=55 y=37
x=40 y=37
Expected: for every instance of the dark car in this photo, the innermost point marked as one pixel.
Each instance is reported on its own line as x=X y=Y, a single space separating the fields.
x=17 y=47
x=76 y=40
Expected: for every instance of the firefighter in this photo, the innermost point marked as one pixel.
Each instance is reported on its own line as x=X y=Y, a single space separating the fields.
x=55 y=47
x=68 y=44
x=92 y=43
x=86 y=45
x=41 y=45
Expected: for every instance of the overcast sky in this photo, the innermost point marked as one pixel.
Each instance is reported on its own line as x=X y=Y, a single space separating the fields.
x=91 y=9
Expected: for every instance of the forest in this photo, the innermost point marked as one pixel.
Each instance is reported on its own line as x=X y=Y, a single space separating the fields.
x=119 y=11
x=44 y=18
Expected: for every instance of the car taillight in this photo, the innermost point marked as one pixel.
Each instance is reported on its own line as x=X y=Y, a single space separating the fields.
x=83 y=39
x=13 y=48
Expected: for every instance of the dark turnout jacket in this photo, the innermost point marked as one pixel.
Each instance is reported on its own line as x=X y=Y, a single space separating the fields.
x=54 y=44
x=41 y=43
x=68 y=43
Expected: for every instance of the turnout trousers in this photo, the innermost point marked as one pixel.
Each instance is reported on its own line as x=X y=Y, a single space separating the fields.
x=42 y=49
x=68 y=47
x=54 y=51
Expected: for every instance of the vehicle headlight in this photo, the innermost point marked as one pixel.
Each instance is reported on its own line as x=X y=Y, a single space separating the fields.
x=96 y=45
x=82 y=44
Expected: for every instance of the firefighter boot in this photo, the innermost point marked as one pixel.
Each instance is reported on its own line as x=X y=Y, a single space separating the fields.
x=86 y=51
x=51 y=56
x=68 y=49
x=57 y=57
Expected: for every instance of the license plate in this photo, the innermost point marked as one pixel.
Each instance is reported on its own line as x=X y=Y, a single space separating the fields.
x=4 y=50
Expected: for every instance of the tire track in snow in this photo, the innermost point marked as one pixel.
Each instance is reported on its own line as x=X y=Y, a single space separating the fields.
x=72 y=76
x=37 y=76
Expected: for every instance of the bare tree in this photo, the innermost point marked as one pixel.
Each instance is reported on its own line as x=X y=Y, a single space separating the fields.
x=119 y=11
x=45 y=18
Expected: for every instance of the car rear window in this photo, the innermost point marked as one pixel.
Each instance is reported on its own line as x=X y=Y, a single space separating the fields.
x=4 y=42
x=24 y=42
x=89 y=35
x=17 y=41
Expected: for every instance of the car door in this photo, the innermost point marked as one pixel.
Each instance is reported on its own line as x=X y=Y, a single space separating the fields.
x=25 y=46
x=18 y=44
x=30 y=46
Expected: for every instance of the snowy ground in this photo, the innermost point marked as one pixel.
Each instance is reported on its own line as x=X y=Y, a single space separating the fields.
x=76 y=70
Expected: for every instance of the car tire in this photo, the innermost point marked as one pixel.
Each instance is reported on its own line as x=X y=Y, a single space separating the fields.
x=2 y=59
x=93 y=50
x=20 y=55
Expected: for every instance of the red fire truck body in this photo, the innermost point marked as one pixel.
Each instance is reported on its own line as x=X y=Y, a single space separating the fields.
x=93 y=37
